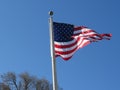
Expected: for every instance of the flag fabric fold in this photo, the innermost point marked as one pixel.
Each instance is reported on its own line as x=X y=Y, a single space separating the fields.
x=69 y=38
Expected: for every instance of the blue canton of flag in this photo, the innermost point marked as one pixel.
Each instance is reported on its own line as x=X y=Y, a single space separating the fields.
x=63 y=32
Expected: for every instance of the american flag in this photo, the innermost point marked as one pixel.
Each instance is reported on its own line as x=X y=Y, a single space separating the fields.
x=69 y=38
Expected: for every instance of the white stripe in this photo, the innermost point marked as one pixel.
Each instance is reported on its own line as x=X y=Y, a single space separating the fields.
x=65 y=49
x=82 y=44
x=85 y=29
x=77 y=32
x=65 y=43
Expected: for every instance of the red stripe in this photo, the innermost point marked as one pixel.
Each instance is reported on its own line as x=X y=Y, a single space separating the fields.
x=108 y=35
x=64 y=58
x=79 y=28
x=67 y=58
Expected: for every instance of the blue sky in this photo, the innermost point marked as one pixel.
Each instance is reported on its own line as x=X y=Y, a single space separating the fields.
x=24 y=42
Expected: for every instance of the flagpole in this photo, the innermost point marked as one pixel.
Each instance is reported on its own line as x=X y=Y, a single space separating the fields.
x=54 y=76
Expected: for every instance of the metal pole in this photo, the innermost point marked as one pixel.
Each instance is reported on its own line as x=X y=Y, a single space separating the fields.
x=54 y=76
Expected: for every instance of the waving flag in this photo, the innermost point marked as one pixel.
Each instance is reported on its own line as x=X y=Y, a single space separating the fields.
x=69 y=38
